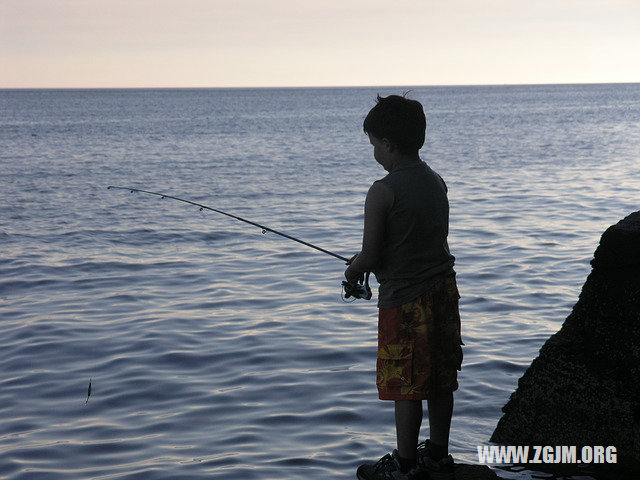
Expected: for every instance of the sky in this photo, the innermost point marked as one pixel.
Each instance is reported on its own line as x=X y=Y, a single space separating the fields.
x=269 y=43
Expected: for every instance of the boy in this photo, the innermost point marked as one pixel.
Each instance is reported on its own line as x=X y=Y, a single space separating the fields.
x=406 y=223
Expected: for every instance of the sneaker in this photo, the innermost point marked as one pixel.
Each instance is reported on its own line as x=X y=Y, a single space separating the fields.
x=440 y=470
x=387 y=468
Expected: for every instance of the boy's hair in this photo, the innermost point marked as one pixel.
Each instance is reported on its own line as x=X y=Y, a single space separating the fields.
x=399 y=120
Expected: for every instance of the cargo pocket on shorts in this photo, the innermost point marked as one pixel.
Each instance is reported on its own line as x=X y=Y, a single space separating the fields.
x=460 y=355
x=394 y=366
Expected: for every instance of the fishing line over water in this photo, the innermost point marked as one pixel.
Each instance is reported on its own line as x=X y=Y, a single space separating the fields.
x=356 y=290
x=204 y=207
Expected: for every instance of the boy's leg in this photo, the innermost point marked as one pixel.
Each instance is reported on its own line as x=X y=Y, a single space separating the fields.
x=440 y=410
x=408 y=421
x=446 y=361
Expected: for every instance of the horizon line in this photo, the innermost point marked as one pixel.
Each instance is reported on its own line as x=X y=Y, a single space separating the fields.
x=282 y=87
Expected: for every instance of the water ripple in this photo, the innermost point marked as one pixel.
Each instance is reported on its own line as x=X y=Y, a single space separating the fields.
x=217 y=352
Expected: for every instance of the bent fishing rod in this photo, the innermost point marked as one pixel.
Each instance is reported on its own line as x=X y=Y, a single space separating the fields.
x=356 y=290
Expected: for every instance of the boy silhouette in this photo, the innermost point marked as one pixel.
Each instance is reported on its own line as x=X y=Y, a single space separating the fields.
x=406 y=223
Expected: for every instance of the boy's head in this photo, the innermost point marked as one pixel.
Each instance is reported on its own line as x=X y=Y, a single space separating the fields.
x=400 y=120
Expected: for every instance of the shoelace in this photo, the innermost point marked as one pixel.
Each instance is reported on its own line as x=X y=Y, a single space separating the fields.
x=423 y=451
x=384 y=463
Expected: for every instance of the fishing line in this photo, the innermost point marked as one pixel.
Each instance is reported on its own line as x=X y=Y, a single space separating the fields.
x=356 y=290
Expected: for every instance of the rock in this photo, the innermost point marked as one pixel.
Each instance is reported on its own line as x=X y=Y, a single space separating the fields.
x=584 y=387
x=464 y=471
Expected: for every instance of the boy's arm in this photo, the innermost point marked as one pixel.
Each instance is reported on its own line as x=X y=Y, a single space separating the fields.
x=376 y=206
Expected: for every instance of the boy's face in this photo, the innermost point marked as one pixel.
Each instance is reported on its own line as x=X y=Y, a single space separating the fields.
x=381 y=151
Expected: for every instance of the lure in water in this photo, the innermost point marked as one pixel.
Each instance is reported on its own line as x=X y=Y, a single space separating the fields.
x=88 y=392
x=351 y=290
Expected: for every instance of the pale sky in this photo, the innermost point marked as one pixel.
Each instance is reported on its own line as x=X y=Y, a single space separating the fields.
x=254 y=43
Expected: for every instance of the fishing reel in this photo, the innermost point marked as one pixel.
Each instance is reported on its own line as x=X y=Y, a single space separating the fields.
x=357 y=290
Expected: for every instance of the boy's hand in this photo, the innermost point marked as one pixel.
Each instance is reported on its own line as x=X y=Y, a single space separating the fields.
x=352 y=276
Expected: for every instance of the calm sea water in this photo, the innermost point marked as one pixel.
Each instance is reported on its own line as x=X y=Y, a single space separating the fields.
x=217 y=352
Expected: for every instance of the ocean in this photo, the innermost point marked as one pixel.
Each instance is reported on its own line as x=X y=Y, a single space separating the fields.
x=215 y=351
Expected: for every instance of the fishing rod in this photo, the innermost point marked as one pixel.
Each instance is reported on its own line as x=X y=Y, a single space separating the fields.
x=356 y=290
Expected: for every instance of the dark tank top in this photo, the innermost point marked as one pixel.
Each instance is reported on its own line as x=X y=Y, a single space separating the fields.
x=415 y=253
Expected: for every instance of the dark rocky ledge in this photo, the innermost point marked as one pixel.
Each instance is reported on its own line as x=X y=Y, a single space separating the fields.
x=584 y=387
x=464 y=471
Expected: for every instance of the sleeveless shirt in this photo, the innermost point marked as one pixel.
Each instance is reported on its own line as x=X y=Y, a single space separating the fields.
x=415 y=253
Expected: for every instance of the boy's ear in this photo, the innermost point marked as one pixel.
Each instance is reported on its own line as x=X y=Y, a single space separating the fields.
x=388 y=145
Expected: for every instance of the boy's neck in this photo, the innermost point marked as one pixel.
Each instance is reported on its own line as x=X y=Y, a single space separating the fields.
x=404 y=161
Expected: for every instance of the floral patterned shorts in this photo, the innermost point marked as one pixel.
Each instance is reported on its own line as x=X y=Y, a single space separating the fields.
x=419 y=345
